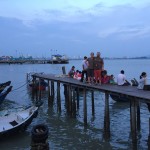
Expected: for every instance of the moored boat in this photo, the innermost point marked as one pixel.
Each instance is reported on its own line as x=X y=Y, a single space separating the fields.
x=4 y=94
x=119 y=98
x=38 y=85
x=4 y=85
x=58 y=59
x=17 y=121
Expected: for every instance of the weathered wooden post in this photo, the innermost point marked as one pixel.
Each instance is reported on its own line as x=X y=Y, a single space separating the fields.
x=70 y=100
x=93 y=109
x=85 y=107
x=106 y=117
x=33 y=87
x=52 y=90
x=39 y=88
x=49 y=94
x=63 y=70
x=133 y=123
x=74 y=104
x=138 y=116
x=58 y=97
x=148 y=142
x=77 y=97
x=67 y=98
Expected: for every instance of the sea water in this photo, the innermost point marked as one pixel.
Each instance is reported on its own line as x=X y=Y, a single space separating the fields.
x=67 y=133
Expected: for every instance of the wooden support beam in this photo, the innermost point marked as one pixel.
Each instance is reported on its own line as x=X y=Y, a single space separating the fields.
x=33 y=88
x=85 y=107
x=58 y=97
x=74 y=103
x=148 y=141
x=77 y=98
x=138 y=116
x=70 y=100
x=133 y=118
x=106 y=118
x=93 y=107
x=39 y=89
x=52 y=90
x=49 y=94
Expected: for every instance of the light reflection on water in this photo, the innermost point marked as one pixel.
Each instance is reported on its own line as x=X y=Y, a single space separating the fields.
x=69 y=133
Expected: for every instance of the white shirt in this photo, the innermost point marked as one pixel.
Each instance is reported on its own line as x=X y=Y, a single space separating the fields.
x=121 y=79
x=142 y=82
x=85 y=64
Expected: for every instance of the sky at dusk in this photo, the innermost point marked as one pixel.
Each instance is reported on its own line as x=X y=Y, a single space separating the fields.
x=116 y=28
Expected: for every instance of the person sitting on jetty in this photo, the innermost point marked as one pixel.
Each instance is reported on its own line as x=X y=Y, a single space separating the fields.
x=121 y=79
x=142 y=81
x=105 y=78
x=84 y=69
x=77 y=75
x=112 y=79
x=71 y=72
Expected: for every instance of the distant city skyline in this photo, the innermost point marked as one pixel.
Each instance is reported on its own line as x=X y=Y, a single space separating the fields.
x=75 y=28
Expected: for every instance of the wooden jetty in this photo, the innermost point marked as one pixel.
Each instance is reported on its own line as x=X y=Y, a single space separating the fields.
x=71 y=90
x=24 y=61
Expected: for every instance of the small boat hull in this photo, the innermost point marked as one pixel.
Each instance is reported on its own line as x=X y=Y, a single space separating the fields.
x=119 y=98
x=4 y=85
x=4 y=94
x=18 y=122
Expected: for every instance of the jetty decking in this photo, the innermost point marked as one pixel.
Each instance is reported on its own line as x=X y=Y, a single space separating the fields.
x=132 y=93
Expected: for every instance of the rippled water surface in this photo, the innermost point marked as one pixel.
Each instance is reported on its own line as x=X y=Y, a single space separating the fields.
x=70 y=133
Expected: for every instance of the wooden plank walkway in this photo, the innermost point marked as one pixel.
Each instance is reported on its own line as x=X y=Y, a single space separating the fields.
x=129 y=91
x=135 y=95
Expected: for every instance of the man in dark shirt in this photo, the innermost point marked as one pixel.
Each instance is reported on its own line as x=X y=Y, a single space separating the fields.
x=90 y=70
x=98 y=67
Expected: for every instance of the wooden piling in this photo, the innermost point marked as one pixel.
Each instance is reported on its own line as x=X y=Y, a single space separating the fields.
x=77 y=93
x=93 y=107
x=133 y=116
x=58 y=97
x=49 y=94
x=39 y=89
x=74 y=104
x=85 y=107
x=106 y=118
x=138 y=116
x=52 y=90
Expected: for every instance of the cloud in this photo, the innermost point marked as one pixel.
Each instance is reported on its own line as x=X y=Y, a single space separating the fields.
x=126 y=33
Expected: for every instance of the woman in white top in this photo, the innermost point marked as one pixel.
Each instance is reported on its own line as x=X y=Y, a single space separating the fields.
x=142 y=80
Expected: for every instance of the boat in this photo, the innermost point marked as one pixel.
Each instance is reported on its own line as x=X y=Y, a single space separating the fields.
x=4 y=94
x=15 y=122
x=38 y=85
x=58 y=59
x=4 y=85
x=119 y=98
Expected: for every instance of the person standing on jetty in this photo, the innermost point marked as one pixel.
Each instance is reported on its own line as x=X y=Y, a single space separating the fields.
x=90 y=70
x=98 y=67
x=84 y=69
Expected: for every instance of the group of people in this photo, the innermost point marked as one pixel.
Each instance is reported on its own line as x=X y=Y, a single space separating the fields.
x=92 y=70
x=121 y=80
x=93 y=73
